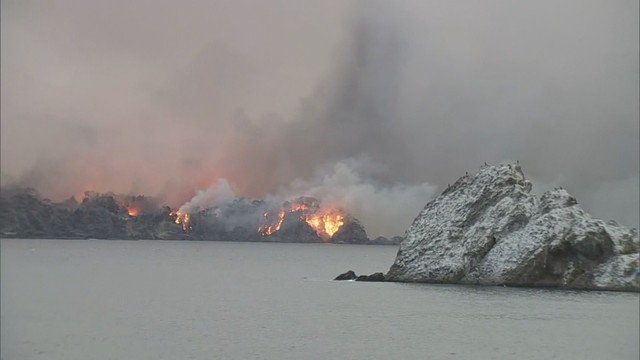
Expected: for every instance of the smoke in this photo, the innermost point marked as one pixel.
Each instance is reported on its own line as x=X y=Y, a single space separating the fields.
x=219 y=192
x=386 y=210
x=106 y=97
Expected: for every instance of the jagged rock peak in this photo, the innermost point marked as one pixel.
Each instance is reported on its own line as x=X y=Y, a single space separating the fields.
x=488 y=228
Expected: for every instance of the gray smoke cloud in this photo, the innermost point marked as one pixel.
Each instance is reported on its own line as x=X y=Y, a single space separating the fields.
x=220 y=192
x=386 y=210
x=399 y=98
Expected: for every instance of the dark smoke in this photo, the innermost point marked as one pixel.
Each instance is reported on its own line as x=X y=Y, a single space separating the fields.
x=363 y=103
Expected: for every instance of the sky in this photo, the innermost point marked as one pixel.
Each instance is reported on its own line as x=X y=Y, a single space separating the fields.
x=374 y=105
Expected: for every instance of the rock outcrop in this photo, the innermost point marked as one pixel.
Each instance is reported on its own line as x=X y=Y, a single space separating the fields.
x=373 y=277
x=350 y=275
x=489 y=229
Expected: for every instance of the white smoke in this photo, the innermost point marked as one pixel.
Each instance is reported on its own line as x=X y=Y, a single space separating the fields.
x=384 y=210
x=221 y=191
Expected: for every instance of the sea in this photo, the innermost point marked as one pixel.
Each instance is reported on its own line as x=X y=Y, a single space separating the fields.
x=119 y=299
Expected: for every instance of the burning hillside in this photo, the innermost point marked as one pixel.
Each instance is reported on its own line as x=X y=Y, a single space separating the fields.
x=182 y=219
x=325 y=221
x=303 y=219
x=112 y=216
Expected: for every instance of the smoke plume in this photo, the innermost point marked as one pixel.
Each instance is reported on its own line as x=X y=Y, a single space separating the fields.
x=387 y=210
x=280 y=98
x=220 y=192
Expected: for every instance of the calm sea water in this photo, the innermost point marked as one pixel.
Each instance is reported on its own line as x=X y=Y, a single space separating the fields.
x=94 y=299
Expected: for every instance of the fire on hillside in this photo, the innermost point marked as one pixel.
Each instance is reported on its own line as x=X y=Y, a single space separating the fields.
x=117 y=216
x=324 y=220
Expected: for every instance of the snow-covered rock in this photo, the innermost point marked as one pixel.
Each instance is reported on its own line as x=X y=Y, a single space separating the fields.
x=489 y=229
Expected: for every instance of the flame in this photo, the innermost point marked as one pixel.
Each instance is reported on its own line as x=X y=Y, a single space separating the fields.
x=133 y=211
x=299 y=207
x=325 y=221
x=266 y=230
x=182 y=218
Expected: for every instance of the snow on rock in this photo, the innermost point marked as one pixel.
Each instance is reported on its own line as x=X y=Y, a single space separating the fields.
x=489 y=229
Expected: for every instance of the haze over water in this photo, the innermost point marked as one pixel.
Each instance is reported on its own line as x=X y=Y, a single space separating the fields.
x=66 y=299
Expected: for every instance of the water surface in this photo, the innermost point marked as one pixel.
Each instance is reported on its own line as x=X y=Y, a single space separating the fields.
x=101 y=299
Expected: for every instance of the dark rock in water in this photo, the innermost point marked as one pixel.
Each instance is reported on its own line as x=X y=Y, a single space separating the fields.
x=349 y=275
x=373 y=277
x=490 y=229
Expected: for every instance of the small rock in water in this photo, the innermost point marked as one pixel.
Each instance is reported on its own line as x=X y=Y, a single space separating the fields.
x=373 y=277
x=349 y=275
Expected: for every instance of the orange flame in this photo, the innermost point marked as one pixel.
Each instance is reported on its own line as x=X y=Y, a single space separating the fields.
x=133 y=211
x=299 y=207
x=266 y=230
x=325 y=222
x=182 y=218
